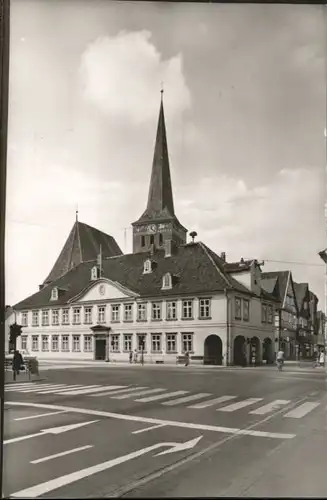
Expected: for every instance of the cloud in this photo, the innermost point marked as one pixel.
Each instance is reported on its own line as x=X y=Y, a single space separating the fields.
x=121 y=76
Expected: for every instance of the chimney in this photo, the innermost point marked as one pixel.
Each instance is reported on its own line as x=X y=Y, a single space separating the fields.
x=242 y=260
x=41 y=287
x=168 y=248
x=223 y=256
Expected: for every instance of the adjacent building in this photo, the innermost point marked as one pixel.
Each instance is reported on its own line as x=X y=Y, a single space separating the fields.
x=168 y=297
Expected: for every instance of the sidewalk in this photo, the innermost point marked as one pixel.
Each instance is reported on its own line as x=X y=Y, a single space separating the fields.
x=21 y=378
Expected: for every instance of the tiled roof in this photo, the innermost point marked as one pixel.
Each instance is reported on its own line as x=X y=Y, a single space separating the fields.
x=234 y=267
x=196 y=269
x=82 y=244
x=300 y=293
x=282 y=280
x=269 y=284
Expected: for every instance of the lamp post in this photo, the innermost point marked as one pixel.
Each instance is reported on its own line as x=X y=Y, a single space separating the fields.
x=323 y=256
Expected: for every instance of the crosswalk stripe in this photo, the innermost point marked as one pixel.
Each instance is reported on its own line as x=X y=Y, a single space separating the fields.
x=40 y=390
x=119 y=391
x=302 y=410
x=212 y=402
x=141 y=393
x=48 y=391
x=74 y=390
x=32 y=389
x=239 y=405
x=26 y=384
x=87 y=390
x=186 y=399
x=161 y=396
x=268 y=408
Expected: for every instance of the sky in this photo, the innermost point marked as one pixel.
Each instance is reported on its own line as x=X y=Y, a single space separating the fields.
x=245 y=107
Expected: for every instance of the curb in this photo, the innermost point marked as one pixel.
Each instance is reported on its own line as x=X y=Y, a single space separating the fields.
x=26 y=381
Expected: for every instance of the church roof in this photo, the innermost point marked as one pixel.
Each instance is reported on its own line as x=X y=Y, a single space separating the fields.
x=195 y=268
x=160 y=203
x=82 y=244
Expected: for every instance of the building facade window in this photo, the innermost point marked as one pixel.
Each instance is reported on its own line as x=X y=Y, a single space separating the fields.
x=246 y=310
x=76 y=343
x=94 y=273
x=76 y=315
x=35 y=318
x=65 y=343
x=238 y=308
x=171 y=310
x=65 y=316
x=204 y=308
x=270 y=314
x=264 y=313
x=171 y=342
x=155 y=342
x=115 y=313
x=187 y=309
x=101 y=314
x=128 y=342
x=128 y=312
x=156 y=311
x=115 y=343
x=54 y=294
x=87 y=343
x=147 y=266
x=187 y=342
x=55 y=317
x=87 y=315
x=45 y=342
x=141 y=341
x=142 y=312
x=24 y=319
x=23 y=342
x=35 y=342
x=166 y=281
x=55 y=343
x=45 y=317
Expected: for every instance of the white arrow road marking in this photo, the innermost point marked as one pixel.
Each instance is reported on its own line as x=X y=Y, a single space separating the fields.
x=40 y=415
x=51 y=430
x=158 y=421
x=274 y=405
x=239 y=405
x=62 y=454
x=302 y=410
x=53 y=484
x=212 y=402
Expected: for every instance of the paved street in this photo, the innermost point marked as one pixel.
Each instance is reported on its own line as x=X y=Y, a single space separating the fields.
x=177 y=431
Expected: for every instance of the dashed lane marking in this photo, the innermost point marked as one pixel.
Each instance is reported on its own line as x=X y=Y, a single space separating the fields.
x=62 y=454
x=41 y=415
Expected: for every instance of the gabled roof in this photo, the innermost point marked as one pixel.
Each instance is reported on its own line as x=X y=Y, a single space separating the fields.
x=82 y=245
x=301 y=289
x=269 y=284
x=242 y=265
x=283 y=279
x=196 y=269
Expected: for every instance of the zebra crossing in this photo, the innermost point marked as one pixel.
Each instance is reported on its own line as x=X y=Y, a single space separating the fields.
x=162 y=396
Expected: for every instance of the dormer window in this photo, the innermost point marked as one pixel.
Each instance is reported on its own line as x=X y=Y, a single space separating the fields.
x=147 y=267
x=54 y=294
x=166 y=281
x=94 y=273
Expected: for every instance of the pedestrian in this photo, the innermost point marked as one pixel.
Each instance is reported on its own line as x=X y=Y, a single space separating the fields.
x=187 y=358
x=17 y=363
x=131 y=356
x=322 y=358
x=280 y=359
x=135 y=356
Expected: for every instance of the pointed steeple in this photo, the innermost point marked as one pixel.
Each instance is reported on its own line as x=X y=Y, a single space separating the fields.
x=160 y=197
x=158 y=222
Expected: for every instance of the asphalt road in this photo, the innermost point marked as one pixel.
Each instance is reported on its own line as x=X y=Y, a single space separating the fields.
x=177 y=431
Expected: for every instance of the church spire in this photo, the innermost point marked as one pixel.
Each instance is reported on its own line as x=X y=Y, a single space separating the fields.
x=160 y=198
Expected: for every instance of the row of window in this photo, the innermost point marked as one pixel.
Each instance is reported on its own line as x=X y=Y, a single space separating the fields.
x=117 y=343
x=128 y=313
x=242 y=311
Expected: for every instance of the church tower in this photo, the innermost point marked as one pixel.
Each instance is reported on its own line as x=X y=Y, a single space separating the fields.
x=159 y=223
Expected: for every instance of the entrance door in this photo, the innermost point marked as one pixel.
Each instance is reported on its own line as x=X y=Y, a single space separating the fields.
x=100 y=349
x=239 y=351
x=213 y=350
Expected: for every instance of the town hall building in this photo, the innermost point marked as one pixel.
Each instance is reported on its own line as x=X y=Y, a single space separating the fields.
x=169 y=296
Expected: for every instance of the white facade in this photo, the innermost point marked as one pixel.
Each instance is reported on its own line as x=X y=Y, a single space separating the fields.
x=169 y=326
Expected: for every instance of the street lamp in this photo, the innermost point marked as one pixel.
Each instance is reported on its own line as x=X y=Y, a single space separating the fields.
x=323 y=256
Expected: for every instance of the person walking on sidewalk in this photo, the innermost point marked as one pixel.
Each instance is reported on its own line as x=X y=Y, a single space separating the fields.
x=280 y=359
x=322 y=358
x=187 y=358
x=17 y=363
x=131 y=356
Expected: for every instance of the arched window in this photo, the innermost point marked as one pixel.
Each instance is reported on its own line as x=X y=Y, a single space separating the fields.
x=147 y=266
x=166 y=281
x=54 y=294
x=94 y=273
